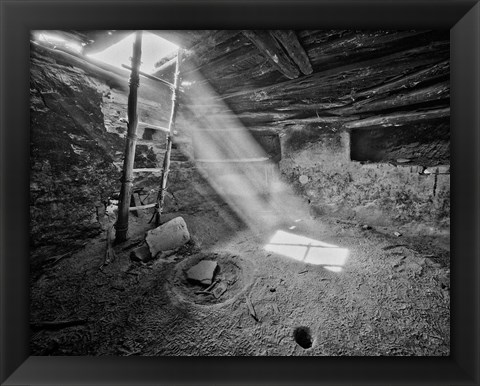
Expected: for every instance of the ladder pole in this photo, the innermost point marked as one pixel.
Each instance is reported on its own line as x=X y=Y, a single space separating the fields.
x=121 y=225
x=171 y=127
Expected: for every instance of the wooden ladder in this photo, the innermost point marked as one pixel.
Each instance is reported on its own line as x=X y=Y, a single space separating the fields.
x=121 y=224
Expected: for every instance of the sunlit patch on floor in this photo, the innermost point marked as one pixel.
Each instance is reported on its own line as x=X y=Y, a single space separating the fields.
x=308 y=250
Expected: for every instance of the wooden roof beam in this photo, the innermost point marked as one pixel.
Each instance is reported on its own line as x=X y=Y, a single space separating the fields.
x=292 y=46
x=399 y=118
x=201 y=52
x=272 y=50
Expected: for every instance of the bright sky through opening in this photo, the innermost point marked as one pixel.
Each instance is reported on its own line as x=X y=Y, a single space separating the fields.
x=53 y=39
x=154 y=48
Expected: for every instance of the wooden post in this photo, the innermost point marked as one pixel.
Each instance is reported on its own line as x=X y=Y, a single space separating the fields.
x=171 y=128
x=121 y=225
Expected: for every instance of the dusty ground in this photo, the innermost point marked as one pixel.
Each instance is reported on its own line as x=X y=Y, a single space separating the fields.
x=391 y=297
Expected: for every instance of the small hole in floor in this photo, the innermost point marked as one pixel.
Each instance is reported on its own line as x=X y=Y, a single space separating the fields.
x=303 y=337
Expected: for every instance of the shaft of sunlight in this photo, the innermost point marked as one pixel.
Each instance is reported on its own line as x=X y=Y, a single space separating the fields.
x=234 y=163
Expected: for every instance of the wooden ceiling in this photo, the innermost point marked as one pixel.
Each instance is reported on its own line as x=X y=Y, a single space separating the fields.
x=278 y=79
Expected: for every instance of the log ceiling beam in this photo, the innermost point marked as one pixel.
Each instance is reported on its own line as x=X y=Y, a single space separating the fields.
x=272 y=50
x=408 y=81
x=292 y=46
x=219 y=45
x=321 y=79
x=211 y=43
x=399 y=118
x=434 y=92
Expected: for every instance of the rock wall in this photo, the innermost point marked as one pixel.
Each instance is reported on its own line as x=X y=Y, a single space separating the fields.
x=317 y=162
x=72 y=155
x=78 y=133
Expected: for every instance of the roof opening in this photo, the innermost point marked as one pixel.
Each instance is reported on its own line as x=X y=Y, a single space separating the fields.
x=154 y=49
x=56 y=41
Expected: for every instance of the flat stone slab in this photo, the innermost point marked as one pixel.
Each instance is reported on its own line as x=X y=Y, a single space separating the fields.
x=169 y=236
x=202 y=272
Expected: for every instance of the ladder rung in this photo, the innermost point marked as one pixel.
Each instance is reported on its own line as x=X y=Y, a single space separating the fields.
x=260 y=159
x=141 y=207
x=145 y=125
x=147 y=170
x=172 y=86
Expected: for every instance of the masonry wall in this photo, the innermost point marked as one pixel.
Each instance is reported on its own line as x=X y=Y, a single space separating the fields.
x=317 y=161
x=78 y=129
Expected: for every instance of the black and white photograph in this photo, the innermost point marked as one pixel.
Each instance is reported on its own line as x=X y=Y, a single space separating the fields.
x=239 y=192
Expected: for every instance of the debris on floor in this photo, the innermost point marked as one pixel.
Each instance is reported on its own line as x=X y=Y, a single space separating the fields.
x=141 y=254
x=220 y=289
x=207 y=290
x=169 y=236
x=392 y=298
x=388 y=247
x=202 y=272
x=251 y=310
x=303 y=179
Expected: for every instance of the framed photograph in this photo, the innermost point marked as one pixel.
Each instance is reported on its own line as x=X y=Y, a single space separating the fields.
x=239 y=192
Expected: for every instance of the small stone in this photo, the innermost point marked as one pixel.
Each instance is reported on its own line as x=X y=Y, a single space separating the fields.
x=202 y=272
x=169 y=236
x=366 y=227
x=141 y=254
x=397 y=234
x=415 y=268
x=303 y=179
x=219 y=290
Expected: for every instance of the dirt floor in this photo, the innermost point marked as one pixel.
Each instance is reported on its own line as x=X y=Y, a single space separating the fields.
x=390 y=297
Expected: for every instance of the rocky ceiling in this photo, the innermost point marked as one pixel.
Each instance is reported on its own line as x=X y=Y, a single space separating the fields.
x=279 y=79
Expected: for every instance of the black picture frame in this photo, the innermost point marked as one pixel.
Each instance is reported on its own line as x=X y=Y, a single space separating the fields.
x=17 y=18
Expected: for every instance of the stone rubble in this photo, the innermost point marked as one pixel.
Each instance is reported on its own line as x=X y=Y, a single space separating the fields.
x=169 y=236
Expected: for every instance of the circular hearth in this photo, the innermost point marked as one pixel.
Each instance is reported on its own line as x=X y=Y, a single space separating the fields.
x=232 y=276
